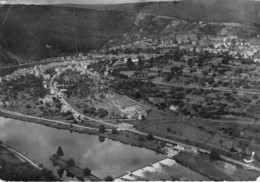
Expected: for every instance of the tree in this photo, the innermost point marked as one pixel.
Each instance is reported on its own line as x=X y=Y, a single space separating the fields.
x=114 y=131
x=138 y=95
x=214 y=155
x=101 y=139
x=60 y=151
x=87 y=171
x=150 y=136
x=101 y=129
x=70 y=162
x=109 y=178
x=255 y=97
x=141 y=138
x=24 y=172
x=28 y=106
x=143 y=117
x=233 y=149
x=60 y=172
x=41 y=108
x=130 y=64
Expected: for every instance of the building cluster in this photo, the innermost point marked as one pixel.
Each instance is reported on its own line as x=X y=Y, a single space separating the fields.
x=130 y=109
x=232 y=45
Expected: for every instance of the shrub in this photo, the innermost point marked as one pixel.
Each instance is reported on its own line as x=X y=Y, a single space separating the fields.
x=233 y=150
x=141 y=138
x=255 y=97
x=101 y=129
x=28 y=106
x=150 y=137
x=109 y=178
x=174 y=132
x=60 y=151
x=70 y=162
x=87 y=172
x=114 y=131
x=214 y=155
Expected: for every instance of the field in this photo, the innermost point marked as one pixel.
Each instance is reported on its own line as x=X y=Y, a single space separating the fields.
x=166 y=169
x=216 y=170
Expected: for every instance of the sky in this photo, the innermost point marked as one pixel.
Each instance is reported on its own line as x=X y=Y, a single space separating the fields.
x=79 y=1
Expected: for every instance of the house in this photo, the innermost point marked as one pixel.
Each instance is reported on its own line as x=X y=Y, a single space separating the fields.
x=52 y=90
x=7 y=104
x=135 y=111
x=46 y=100
x=126 y=125
x=46 y=76
x=78 y=117
x=174 y=108
x=65 y=109
x=156 y=100
x=45 y=84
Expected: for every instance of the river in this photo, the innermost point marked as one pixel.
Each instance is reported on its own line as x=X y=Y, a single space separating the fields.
x=104 y=158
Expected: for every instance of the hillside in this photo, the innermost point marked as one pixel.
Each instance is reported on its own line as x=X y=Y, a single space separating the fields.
x=31 y=32
x=245 y=11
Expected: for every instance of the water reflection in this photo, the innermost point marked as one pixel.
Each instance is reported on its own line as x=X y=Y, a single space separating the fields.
x=60 y=172
x=40 y=142
x=101 y=139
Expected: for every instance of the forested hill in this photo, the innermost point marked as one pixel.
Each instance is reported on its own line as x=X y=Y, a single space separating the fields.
x=246 y=11
x=33 y=32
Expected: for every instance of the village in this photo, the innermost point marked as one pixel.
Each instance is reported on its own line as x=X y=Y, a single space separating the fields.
x=202 y=92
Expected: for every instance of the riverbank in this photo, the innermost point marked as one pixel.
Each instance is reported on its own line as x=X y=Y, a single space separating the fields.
x=21 y=156
x=7 y=156
x=124 y=137
x=14 y=166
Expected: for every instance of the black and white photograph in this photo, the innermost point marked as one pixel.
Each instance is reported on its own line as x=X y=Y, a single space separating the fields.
x=129 y=90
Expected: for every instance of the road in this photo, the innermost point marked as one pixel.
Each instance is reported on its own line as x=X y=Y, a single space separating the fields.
x=208 y=120
x=49 y=120
x=86 y=117
x=204 y=88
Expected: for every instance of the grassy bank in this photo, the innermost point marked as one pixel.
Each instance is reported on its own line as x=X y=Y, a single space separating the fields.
x=218 y=170
x=201 y=164
x=15 y=169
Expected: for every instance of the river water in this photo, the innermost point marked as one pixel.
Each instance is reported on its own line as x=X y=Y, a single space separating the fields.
x=104 y=158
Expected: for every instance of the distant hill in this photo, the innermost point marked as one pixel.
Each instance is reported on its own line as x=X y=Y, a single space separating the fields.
x=244 y=11
x=32 y=32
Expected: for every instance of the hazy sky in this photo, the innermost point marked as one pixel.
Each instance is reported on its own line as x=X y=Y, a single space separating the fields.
x=79 y=1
